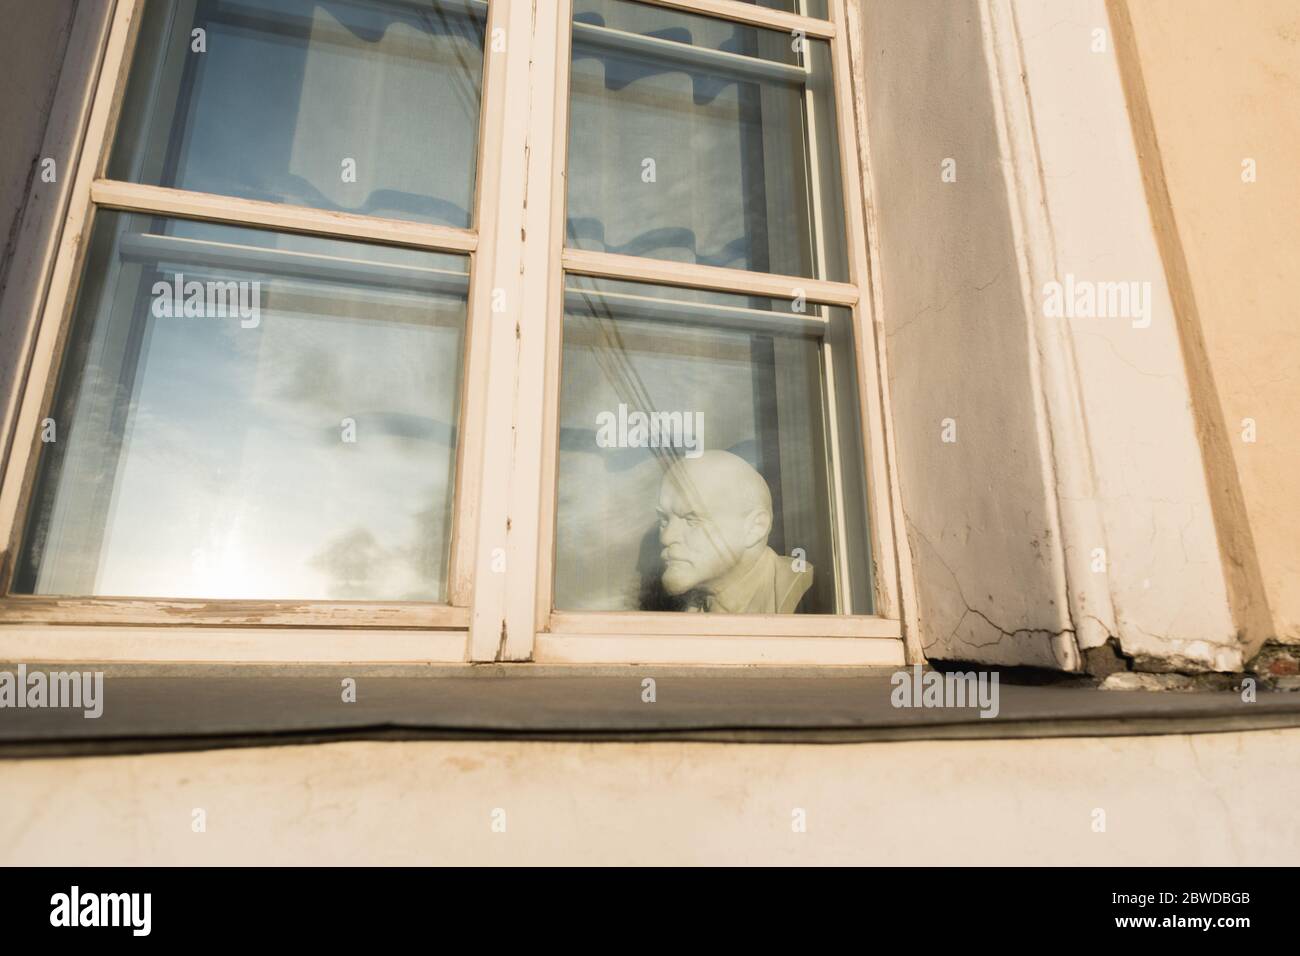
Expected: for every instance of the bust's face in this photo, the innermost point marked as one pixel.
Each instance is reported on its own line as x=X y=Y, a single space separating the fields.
x=703 y=533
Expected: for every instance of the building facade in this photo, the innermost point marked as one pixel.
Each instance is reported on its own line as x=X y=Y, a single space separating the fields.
x=593 y=335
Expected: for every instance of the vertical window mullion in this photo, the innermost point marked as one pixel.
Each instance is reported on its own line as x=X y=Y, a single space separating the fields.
x=474 y=387
x=525 y=267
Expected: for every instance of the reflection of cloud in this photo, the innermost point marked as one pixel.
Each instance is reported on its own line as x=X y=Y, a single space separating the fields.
x=211 y=464
x=427 y=554
x=357 y=565
x=350 y=561
x=313 y=377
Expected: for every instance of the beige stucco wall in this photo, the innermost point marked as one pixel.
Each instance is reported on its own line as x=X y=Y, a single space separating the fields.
x=1204 y=799
x=1223 y=84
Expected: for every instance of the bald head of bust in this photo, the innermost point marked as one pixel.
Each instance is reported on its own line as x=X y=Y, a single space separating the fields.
x=715 y=515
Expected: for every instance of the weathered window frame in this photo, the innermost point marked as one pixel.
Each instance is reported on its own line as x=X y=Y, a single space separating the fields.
x=500 y=587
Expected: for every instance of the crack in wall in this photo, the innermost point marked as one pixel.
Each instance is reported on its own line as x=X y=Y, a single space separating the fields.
x=951 y=640
x=1003 y=632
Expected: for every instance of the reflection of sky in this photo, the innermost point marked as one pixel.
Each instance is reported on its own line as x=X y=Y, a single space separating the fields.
x=234 y=480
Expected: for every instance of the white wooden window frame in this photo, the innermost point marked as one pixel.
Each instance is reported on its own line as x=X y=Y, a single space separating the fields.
x=501 y=573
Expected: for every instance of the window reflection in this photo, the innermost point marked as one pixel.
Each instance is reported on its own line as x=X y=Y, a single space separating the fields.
x=299 y=446
x=359 y=106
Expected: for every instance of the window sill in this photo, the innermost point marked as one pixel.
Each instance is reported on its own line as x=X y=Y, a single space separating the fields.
x=692 y=639
x=195 y=707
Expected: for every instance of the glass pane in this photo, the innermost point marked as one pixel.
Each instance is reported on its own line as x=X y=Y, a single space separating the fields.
x=699 y=140
x=244 y=414
x=348 y=105
x=809 y=8
x=710 y=455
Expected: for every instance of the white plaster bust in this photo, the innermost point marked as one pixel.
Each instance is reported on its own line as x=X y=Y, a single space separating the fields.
x=715 y=515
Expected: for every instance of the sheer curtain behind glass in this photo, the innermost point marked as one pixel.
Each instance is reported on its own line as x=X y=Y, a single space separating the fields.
x=700 y=140
x=809 y=8
x=771 y=386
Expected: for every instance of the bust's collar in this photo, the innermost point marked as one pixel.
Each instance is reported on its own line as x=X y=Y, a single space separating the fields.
x=753 y=593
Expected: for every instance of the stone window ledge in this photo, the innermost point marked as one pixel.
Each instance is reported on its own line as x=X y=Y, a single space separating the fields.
x=150 y=708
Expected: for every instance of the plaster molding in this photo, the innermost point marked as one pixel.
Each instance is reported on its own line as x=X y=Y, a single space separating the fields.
x=1121 y=444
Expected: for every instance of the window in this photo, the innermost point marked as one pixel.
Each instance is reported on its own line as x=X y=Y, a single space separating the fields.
x=449 y=330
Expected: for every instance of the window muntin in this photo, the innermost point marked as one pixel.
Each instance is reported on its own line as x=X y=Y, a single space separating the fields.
x=701 y=140
x=655 y=378
x=303 y=447
x=360 y=106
